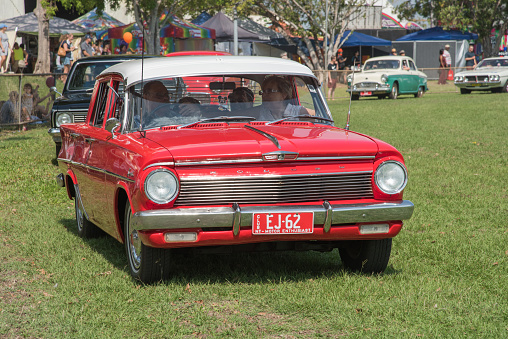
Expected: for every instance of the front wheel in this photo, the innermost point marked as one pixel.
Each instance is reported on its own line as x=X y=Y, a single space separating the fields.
x=367 y=256
x=420 y=92
x=465 y=91
x=86 y=228
x=146 y=264
x=355 y=97
x=395 y=91
x=504 y=89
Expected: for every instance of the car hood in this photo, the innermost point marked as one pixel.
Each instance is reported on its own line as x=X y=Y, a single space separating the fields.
x=485 y=70
x=250 y=142
x=74 y=98
x=372 y=76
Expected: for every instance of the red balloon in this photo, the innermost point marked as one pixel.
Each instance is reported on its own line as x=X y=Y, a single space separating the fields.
x=127 y=37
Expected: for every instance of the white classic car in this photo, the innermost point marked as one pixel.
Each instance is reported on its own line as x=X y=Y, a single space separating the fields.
x=491 y=74
x=387 y=76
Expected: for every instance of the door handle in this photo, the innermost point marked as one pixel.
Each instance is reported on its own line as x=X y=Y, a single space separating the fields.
x=89 y=140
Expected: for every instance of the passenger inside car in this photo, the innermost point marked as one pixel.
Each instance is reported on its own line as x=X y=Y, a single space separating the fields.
x=189 y=106
x=277 y=100
x=241 y=98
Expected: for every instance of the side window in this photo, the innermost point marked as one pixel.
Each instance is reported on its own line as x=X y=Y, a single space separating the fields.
x=412 y=65
x=114 y=103
x=99 y=108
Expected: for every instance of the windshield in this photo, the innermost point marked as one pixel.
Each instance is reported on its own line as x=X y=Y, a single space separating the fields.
x=501 y=62
x=84 y=74
x=187 y=100
x=381 y=64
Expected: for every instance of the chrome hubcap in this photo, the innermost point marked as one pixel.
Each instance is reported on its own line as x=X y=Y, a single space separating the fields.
x=79 y=215
x=134 y=246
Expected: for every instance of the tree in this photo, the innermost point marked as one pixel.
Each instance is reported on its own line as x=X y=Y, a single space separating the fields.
x=480 y=16
x=148 y=14
x=307 y=19
x=44 y=11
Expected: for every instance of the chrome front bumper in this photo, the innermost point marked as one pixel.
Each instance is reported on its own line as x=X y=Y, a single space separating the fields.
x=235 y=216
x=55 y=133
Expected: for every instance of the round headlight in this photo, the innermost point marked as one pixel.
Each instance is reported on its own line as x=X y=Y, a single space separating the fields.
x=391 y=177
x=63 y=118
x=384 y=78
x=161 y=186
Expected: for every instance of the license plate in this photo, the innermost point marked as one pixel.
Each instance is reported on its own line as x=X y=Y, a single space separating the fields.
x=283 y=223
x=477 y=85
x=365 y=93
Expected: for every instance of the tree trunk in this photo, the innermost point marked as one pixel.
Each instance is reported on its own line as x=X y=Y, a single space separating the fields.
x=43 y=57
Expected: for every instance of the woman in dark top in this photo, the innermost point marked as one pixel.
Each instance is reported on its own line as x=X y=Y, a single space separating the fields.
x=442 y=68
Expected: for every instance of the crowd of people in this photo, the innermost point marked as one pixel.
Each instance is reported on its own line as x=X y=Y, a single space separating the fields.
x=31 y=108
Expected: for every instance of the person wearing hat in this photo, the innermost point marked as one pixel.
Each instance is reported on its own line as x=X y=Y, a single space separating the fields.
x=447 y=56
x=4 y=48
x=402 y=52
x=86 y=48
x=394 y=51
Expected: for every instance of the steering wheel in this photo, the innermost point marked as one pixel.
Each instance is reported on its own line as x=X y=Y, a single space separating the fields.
x=165 y=110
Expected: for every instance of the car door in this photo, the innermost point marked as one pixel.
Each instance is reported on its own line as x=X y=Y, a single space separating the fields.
x=415 y=77
x=91 y=185
x=107 y=159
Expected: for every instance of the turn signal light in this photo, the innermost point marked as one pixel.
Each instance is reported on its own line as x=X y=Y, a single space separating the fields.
x=179 y=237
x=374 y=228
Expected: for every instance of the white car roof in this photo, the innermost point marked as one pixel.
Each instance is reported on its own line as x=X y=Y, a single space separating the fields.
x=204 y=65
x=389 y=57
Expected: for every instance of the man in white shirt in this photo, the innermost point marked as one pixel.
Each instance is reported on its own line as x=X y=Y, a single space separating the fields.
x=447 y=56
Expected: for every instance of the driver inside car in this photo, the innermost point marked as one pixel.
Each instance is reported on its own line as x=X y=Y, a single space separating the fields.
x=155 y=95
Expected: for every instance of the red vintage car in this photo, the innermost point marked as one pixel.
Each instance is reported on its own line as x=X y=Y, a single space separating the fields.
x=158 y=172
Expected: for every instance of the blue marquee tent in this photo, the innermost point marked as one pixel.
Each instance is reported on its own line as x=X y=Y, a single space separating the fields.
x=202 y=18
x=360 y=39
x=438 y=33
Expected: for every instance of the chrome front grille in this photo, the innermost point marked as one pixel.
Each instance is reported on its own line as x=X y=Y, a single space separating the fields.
x=79 y=117
x=367 y=84
x=478 y=78
x=275 y=189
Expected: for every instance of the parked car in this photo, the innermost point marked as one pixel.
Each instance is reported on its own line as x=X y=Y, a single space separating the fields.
x=72 y=106
x=491 y=74
x=387 y=76
x=272 y=174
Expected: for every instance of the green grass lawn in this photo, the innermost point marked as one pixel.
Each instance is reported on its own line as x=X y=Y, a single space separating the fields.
x=447 y=276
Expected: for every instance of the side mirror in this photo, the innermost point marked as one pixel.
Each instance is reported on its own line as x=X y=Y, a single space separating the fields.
x=53 y=89
x=112 y=126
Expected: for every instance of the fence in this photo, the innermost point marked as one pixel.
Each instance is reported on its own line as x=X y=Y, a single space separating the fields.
x=19 y=107
x=27 y=98
x=431 y=73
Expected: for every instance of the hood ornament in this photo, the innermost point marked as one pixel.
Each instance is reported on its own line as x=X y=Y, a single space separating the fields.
x=280 y=156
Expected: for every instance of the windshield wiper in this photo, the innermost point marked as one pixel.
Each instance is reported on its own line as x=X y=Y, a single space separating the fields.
x=299 y=116
x=218 y=119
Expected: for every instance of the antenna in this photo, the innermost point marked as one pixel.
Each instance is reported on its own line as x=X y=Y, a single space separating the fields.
x=350 y=95
x=142 y=79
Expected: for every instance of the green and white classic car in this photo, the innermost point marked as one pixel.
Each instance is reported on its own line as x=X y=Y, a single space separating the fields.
x=387 y=76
